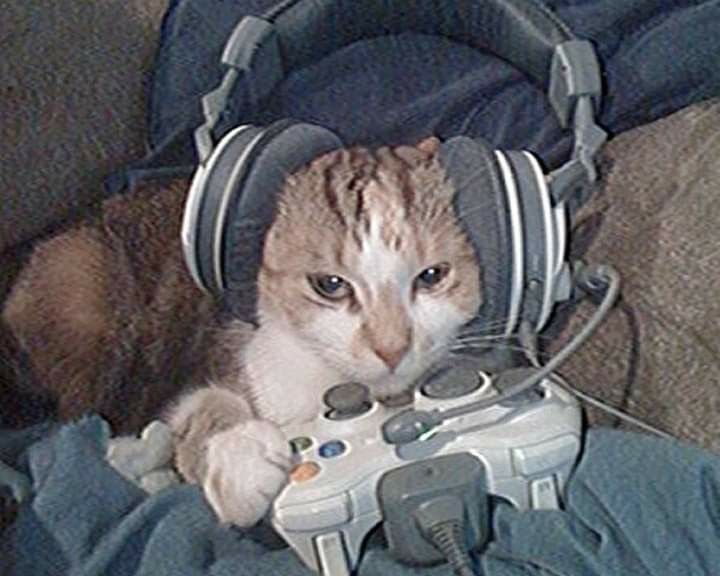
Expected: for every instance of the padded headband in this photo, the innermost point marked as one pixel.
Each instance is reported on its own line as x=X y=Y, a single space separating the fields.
x=233 y=197
x=524 y=32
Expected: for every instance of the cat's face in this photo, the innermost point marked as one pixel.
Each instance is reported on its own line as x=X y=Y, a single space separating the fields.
x=366 y=264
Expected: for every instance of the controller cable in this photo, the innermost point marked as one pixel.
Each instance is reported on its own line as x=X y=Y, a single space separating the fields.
x=411 y=424
x=448 y=538
x=442 y=522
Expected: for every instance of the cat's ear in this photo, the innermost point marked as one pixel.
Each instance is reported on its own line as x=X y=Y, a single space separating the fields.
x=420 y=152
x=429 y=145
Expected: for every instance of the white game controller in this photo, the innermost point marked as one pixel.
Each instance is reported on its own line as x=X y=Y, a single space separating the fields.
x=527 y=447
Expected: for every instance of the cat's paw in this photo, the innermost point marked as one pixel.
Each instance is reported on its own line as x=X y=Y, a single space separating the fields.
x=247 y=467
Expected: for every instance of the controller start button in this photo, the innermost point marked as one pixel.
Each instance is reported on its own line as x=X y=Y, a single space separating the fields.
x=332 y=449
x=304 y=472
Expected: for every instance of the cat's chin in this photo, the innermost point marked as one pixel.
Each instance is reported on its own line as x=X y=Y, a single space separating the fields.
x=392 y=389
x=395 y=387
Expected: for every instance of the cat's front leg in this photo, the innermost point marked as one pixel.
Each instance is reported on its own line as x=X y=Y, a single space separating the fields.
x=247 y=467
x=241 y=462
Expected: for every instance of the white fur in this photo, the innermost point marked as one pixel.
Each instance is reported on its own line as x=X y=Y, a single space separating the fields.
x=188 y=404
x=286 y=378
x=247 y=467
x=438 y=319
x=379 y=264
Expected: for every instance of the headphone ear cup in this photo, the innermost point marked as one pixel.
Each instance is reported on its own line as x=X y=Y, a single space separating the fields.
x=481 y=206
x=280 y=150
x=543 y=246
x=206 y=203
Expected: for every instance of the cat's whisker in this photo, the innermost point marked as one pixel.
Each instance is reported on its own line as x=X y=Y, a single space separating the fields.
x=487 y=330
x=438 y=348
x=490 y=331
x=480 y=339
x=495 y=323
x=489 y=343
x=470 y=350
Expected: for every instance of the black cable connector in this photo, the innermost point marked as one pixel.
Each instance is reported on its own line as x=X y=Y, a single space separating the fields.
x=442 y=522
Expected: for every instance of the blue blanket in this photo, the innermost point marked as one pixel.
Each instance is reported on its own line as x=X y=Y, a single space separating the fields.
x=635 y=505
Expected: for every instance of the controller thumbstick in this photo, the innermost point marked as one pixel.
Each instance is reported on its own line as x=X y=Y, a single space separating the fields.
x=347 y=400
x=510 y=378
x=451 y=382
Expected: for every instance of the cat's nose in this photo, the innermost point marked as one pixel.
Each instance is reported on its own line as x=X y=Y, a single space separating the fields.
x=392 y=355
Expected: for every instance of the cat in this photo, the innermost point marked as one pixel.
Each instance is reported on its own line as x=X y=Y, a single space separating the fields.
x=366 y=275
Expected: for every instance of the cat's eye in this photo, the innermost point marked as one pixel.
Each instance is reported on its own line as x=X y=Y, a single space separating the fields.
x=330 y=286
x=431 y=277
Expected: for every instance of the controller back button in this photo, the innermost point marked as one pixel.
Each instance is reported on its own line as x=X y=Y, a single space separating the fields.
x=546 y=456
x=317 y=515
x=304 y=472
x=300 y=444
x=332 y=449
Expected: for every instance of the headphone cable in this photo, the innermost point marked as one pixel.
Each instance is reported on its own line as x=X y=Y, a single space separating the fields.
x=528 y=341
x=410 y=425
x=590 y=279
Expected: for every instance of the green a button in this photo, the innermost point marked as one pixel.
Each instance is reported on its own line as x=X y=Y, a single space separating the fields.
x=300 y=444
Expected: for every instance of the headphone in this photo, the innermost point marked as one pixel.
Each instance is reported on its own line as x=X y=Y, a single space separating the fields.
x=520 y=240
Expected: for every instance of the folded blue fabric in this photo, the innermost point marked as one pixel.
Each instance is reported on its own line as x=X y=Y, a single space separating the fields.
x=635 y=505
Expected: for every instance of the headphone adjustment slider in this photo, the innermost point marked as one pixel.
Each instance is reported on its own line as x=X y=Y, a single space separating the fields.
x=589 y=138
x=574 y=72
